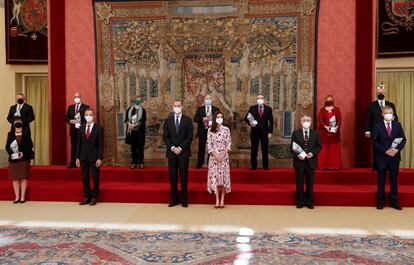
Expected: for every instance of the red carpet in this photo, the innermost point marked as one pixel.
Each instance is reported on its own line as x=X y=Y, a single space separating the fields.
x=349 y=187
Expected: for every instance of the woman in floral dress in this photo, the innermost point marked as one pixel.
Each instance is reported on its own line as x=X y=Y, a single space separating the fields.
x=218 y=145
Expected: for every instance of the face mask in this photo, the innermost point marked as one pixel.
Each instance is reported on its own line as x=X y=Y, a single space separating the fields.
x=18 y=125
x=260 y=101
x=77 y=100
x=177 y=110
x=88 y=118
x=207 y=102
x=328 y=103
x=306 y=125
x=20 y=101
x=388 y=116
x=219 y=121
x=380 y=96
x=137 y=102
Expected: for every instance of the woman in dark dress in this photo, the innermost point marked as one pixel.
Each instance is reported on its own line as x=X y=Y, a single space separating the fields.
x=135 y=118
x=19 y=146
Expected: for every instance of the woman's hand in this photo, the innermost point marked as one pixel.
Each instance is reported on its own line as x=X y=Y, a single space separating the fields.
x=21 y=155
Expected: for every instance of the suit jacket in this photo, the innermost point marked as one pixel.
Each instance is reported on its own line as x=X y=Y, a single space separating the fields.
x=314 y=146
x=92 y=149
x=25 y=146
x=183 y=139
x=70 y=115
x=136 y=136
x=198 y=118
x=26 y=113
x=265 y=124
x=382 y=142
x=374 y=114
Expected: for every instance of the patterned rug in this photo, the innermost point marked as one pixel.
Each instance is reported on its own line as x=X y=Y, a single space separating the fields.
x=65 y=246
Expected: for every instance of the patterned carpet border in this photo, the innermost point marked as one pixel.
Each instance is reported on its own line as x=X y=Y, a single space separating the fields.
x=90 y=246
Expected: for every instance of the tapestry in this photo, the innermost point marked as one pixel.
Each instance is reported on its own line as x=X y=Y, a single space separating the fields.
x=26 y=31
x=395 y=28
x=232 y=50
x=21 y=245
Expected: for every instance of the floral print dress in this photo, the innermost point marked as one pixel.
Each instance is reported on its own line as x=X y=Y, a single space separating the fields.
x=219 y=171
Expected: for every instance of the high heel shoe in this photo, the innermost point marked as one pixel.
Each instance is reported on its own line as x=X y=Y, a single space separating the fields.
x=14 y=202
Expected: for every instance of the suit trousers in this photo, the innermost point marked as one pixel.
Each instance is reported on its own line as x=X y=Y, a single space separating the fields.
x=264 y=143
x=304 y=173
x=392 y=166
x=178 y=164
x=88 y=167
x=73 y=145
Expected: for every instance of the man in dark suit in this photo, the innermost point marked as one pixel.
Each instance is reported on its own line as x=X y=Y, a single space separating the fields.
x=89 y=156
x=203 y=118
x=374 y=115
x=22 y=110
x=387 y=155
x=178 y=134
x=75 y=118
x=305 y=162
x=260 y=119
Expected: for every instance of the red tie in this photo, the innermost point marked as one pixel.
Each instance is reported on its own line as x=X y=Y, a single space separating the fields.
x=88 y=132
x=388 y=129
x=77 y=108
x=261 y=111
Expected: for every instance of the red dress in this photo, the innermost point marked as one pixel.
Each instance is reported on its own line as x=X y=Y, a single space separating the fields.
x=330 y=155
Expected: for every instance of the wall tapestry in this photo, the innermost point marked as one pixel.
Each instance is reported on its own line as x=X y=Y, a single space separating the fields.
x=229 y=49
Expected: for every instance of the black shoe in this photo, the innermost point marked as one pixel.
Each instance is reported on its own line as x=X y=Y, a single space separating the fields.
x=93 y=202
x=172 y=204
x=396 y=207
x=185 y=205
x=380 y=206
x=16 y=201
x=310 y=206
x=253 y=168
x=199 y=166
x=299 y=205
x=141 y=166
x=133 y=166
x=266 y=168
x=71 y=166
x=84 y=202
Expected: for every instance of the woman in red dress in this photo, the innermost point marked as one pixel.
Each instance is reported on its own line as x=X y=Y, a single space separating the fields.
x=330 y=120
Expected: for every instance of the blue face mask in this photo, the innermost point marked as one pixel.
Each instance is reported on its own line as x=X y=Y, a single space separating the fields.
x=207 y=102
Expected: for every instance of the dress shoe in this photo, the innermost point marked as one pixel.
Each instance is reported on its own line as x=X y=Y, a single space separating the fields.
x=199 y=166
x=396 y=207
x=71 y=166
x=84 y=202
x=299 y=205
x=310 y=206
x=253 y=168
x=22 y=201
x=380 y=206
x=141 y=166
x=93 y=202
x=265 y=168
x=185 y=205
x=16 y=201
x=133 y=166
x=172 y=204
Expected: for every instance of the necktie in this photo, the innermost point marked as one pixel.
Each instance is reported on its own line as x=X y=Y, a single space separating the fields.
x=261 y=111
x=306 y=140
x=177 y=124
x=88 y=132
x=382 y=104
x=388 y=129
x=208 y=115
x=77 y=109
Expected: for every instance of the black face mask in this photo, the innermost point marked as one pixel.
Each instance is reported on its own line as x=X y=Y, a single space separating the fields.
x=380 y=96
x=328 y=103
x=20 y=101
x=18 y=125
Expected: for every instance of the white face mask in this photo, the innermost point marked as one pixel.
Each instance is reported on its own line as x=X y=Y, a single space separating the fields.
x=207 y=102
x=219 y=121
x=177 y=110
x=260 y=101
x=77 y=100
x=388 y=116
x=89 y=118
x=306 y=125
